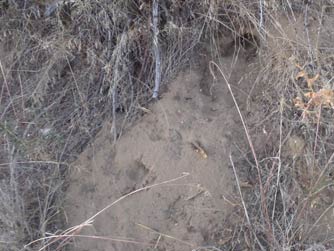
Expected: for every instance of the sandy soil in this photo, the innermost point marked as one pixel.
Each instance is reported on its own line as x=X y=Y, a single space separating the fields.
x=196 y=113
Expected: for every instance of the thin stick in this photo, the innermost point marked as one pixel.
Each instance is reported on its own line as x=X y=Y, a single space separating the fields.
x=125 y=240
x=306 y=25
x=239 y=189
x=243 y=122
x=134 y=192
x=36 y=162
x=117 y=61
x=279 y=158
x=263 y=197
x=89 y=221
x=7 y=87
x=261 y=14
x=316 y=138
x=165 y=235
x=114 y=126
x=82 y=100
x=293 y=14
x=157 y=80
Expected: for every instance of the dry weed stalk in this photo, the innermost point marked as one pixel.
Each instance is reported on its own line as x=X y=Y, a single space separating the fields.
x=66 y=236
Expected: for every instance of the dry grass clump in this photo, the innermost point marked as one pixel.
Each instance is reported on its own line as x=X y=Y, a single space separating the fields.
x=291 y=206
x=62 y=76
x=68 y=67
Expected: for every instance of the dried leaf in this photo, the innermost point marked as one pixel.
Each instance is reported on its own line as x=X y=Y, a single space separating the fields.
x=323 y=97
x=303 y=74
x=315 y=100
x=197 y=147
x=144 y=109
x=310 y=81
x=298 y=66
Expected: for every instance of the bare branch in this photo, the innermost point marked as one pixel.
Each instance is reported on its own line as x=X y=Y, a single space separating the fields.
x=156 y=49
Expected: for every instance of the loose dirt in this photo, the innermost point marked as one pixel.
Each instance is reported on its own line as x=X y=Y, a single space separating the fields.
x=192 y=129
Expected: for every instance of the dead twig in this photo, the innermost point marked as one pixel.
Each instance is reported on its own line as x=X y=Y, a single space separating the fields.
x=8 y=90
x=156 y=49
x=68 y=234
x=240 y=193
x=165 y=235
x=264 y=208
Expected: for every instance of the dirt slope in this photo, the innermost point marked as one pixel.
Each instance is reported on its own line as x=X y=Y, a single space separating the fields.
x=184 y=215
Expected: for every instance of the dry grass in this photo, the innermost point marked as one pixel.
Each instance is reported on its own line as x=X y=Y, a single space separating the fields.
x=293 y=208
x=65 y=74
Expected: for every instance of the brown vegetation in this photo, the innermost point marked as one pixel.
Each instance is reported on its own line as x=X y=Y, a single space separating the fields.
x=66 y=70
